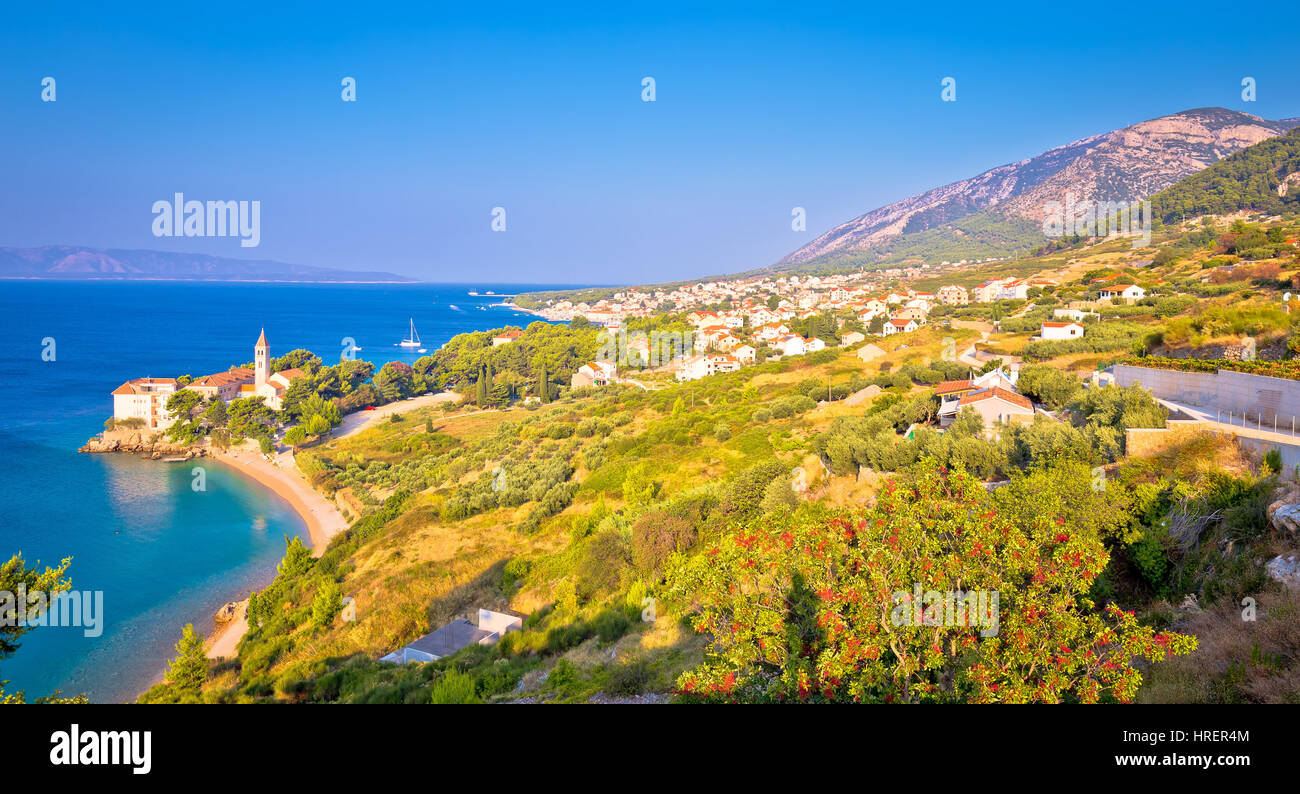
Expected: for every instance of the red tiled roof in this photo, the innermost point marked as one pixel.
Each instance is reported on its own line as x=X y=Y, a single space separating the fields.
x=129 y=386
x=1002 y=394
x=291 y=374
x=950 y=386
x=236 y=375
x=1049 y=324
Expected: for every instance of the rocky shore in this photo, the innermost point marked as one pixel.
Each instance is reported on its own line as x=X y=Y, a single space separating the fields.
x=146 y=443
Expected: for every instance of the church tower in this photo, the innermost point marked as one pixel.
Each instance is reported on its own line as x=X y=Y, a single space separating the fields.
x=261 y=360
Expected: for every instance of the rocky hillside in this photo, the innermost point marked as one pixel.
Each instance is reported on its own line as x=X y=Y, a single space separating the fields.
x=1126 y=164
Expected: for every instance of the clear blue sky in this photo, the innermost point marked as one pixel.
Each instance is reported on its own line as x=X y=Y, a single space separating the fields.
x=760 y=108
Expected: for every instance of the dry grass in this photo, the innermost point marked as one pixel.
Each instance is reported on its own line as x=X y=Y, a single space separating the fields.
x=1238 y=660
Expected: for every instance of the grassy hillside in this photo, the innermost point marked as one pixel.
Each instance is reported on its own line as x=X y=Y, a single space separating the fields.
x=644 y=532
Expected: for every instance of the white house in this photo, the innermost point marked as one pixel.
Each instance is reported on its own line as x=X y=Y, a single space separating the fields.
x=792 y=345
x=1131 y=293
x=851 y=338
x=696 y=367
x=899 y=326
x=745 y=354
x=1053 y=330
x=594 y=373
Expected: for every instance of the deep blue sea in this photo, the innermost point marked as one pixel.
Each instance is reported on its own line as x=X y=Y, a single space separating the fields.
x=163 y=554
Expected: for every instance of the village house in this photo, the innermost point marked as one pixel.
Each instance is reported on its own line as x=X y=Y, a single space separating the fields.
x=954 y=295
x=1129 y=293
x=507 y=337
x=895 y=326
x=995 y=406
x=594 y=373
x=222 y=386
x=1054 y=330
x=851 y=338
x=696 y=367
x=145 y=399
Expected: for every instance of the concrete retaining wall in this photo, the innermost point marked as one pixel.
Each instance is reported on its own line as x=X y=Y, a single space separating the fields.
x=1222 y=392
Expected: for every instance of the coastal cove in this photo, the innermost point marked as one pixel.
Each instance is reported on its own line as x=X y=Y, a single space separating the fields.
x=162 y=553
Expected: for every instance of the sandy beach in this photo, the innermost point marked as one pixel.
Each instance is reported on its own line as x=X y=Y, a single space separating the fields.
x=323 y=519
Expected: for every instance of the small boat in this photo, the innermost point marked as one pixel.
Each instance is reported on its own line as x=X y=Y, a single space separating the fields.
x=422 y=350
x=412 y=339
x=475 y=294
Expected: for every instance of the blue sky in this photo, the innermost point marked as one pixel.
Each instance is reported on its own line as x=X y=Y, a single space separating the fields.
x=463 y=108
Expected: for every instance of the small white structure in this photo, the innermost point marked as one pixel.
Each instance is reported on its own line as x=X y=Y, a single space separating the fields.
x=851 y=338
x=459 y=633
x=899 y=326
x=1130 y=293
x=506 y=338
x=1055 y=331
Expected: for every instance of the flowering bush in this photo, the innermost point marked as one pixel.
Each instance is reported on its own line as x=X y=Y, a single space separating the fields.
x=809 y=610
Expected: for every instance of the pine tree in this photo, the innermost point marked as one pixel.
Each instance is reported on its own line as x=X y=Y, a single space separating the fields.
x=189 y=669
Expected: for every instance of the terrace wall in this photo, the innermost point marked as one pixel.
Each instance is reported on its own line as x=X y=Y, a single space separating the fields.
x=1222 y=392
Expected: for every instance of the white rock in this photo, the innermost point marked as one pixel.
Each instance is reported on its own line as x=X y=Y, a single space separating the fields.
x=1285 y=570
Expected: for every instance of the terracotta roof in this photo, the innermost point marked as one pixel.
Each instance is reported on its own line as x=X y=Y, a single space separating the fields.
x=236 y=375
x=291 y=374
x=1002 y=394
x=130 y=386
x=1049 y=324
x=949 y=386
x=261 y=340
x=512 y=334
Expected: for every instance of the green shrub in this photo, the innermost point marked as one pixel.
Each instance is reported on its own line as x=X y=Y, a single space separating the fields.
x=454 y=687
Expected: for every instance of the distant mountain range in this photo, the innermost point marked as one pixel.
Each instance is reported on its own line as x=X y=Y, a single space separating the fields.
x=1000 y=211
x=71 y=262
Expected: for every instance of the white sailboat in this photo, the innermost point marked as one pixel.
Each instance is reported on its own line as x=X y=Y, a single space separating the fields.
x=412 y=339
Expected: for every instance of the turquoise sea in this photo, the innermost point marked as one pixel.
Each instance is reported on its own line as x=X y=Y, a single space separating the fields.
x=161 y=553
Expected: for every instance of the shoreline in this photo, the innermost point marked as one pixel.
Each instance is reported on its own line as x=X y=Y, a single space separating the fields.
x=321 y=516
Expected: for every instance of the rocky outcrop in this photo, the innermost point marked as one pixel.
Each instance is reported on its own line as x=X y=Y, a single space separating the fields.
x=148 y=443
x=1284 y=512
x=230 y=611
x=1285 y=570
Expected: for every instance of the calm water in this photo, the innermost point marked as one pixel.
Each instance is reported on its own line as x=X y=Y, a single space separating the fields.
x=163 y=554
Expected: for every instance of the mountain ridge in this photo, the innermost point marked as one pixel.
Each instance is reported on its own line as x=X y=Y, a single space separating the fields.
x=1129 y=163
x=55 y=262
